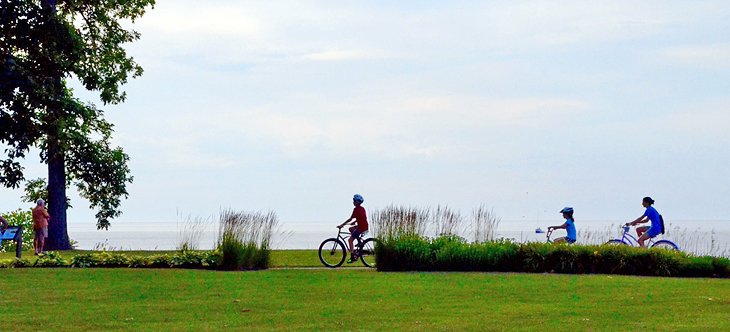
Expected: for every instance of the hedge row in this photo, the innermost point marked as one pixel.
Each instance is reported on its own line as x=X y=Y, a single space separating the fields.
x=183 y=259
x=451 y=253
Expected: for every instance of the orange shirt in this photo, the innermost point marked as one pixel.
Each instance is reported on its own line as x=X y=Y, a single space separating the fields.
x=40 y=217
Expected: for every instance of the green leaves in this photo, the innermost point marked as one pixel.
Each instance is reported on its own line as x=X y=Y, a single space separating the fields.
x=40 y=46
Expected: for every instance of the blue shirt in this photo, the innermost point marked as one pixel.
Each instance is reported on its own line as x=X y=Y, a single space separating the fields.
x=653 y=215
x=570 y=228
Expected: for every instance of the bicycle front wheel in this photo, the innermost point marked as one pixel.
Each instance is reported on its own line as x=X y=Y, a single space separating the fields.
x=616 y=242
x=664 y=244
x=332 y=252
x=367 y=252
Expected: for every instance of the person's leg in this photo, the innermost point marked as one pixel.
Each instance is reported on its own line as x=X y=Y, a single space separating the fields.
x=643 y=238
x=641 y=230
x=559 y=240
x=35 y=242
x=42 y=242
x=353 y=231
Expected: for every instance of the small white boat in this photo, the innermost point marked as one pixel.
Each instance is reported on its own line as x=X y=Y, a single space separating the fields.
x=539 y=230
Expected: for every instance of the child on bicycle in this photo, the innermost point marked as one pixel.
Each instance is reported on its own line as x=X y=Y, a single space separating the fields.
x=651 y=214
x=569 y=225
x=360 y=220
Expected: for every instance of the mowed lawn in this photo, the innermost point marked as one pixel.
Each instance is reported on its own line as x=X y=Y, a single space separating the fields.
x=353 y=299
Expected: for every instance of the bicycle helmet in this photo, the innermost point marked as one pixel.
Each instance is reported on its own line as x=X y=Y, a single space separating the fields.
x=358 y=198
x=567 y=210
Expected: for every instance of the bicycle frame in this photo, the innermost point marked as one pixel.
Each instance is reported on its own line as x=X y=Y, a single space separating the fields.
x=340 y=232
x=631 y=240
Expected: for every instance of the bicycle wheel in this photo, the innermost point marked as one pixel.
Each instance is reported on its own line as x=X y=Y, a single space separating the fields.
x=332 y=252
x=367 y=252
x=665 y=244
x=616 y=242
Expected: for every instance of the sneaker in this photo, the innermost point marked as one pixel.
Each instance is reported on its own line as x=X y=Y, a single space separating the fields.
x=353 y=259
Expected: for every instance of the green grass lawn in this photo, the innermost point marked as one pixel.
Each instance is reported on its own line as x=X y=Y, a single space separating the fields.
x=353 y=299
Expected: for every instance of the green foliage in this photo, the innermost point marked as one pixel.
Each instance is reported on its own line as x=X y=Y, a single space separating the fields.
x=40 y=46
x=449 y=253
x=243 y=243
x=236 y=255
x=23 y=218
x=50 y=259
x=38 y=189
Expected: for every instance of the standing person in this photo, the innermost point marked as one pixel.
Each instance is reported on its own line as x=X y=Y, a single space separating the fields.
x=40 y=226
x=361 y=220
x=4 y=225
x=569 y=226
x=651 y=214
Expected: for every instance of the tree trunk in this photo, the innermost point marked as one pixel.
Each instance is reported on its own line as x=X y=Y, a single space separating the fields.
x=57 y=227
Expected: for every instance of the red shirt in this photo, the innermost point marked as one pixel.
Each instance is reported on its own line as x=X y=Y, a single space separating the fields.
x=40 y=217
x=361 y=217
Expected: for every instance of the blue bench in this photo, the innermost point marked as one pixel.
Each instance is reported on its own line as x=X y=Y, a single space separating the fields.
x=14 y=233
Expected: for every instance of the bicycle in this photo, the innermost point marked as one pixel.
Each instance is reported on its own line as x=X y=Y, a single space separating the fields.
x=333 y=251
x=630 y=240
x=549 y=233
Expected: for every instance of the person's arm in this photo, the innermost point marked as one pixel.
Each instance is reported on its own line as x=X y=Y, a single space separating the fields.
x=349 y=220
x=5 y=224
x=563 y=226
x=639 y=220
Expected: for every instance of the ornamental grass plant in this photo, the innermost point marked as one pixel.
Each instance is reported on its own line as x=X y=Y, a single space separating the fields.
x=244 y=239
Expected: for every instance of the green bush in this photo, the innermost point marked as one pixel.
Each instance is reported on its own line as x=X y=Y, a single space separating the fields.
x=23 y=218
x=100 y=259
x=243 y=243
x=50 y=259
x=448 y=253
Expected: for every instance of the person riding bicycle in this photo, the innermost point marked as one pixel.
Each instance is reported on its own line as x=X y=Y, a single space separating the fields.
x=361 y=220
x=651 y=214
x=569 y=225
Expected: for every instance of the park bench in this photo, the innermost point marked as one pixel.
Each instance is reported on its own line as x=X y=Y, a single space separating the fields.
x=14 y=233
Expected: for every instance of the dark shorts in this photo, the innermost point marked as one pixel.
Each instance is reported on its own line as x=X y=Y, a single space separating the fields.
x=356 y=234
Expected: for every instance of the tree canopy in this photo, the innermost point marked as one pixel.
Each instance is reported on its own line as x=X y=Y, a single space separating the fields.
x=43 y=44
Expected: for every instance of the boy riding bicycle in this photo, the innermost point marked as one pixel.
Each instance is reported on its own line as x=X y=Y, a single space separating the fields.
x=361 y=220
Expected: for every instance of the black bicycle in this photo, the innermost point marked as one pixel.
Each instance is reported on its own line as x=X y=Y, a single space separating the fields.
x=333 y=251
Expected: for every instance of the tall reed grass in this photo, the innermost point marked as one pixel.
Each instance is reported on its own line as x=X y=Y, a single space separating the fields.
x=402 y=221
x=190 y=231
x=244 y=239
x=484 y=224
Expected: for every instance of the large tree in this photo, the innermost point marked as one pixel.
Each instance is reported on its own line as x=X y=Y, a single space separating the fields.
x=43 y=44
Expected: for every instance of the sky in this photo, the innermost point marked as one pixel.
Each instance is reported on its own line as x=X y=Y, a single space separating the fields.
x=521 y=106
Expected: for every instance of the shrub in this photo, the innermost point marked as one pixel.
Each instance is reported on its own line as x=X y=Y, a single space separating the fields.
x=244 y=238
x=23 y=218
x=50 y=259
x=100 y=259
x=451 y=253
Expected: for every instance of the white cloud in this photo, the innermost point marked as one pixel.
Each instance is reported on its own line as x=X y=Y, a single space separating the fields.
x=710 y=56
x=340 y=55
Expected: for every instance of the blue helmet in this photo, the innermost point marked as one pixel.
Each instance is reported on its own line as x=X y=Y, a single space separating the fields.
x=358 y=198
x=567 y=210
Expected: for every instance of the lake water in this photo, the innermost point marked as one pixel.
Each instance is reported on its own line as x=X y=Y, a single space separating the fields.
x=702 y=237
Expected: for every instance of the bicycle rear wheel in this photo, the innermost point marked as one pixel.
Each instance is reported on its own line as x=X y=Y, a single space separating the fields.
x=332 y=252
x=367 y=252
x=665 y=244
